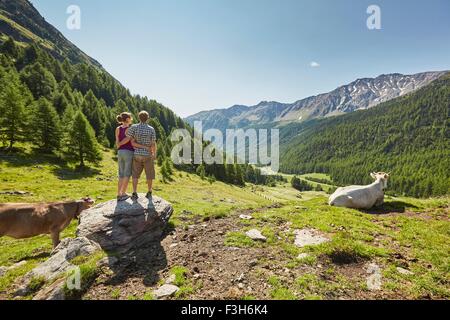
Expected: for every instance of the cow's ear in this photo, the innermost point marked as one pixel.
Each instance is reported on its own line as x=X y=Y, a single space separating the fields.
x=373 y=175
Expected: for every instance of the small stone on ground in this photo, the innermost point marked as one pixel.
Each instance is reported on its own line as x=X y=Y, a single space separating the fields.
x=374 y=278
x=302 y=256
x=166 y=290
x=404 y=271
x=171 y=279
x=308 y=237
x=255 y=235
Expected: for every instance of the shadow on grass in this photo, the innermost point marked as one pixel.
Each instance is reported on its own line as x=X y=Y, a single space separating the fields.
x=68 y=173
x=60 y=167
x=21 y=159
x=38 y=255
x=391 y=207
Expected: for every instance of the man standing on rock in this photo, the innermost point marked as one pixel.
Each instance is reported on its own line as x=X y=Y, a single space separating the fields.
x=144 y=135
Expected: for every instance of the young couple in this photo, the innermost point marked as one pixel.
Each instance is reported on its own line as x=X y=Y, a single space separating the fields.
x=136 y=146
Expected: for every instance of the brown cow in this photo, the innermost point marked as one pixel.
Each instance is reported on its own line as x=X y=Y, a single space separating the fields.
x=26 y=220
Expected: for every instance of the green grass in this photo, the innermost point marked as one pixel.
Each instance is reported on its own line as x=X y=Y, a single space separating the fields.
x=239 y=240
x=27 y=33
x=418 y=229
x=180 y=275
x=48 y=179
x=32 y=251
x=279 y=292
x=317 y=176
x=182 y=282
x=36 y=283
x=88 y=273
x=115 y=294
x=148 y=296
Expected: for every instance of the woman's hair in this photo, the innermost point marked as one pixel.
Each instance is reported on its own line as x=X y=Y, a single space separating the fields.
x=123 y=117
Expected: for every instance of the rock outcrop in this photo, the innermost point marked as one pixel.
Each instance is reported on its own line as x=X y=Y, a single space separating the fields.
x=58 y=264
x=111 y=227
x=121 y=226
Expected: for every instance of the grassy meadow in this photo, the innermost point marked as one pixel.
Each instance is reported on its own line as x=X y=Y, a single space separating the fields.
x=406 y=232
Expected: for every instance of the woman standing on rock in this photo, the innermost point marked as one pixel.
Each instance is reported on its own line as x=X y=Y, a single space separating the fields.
x=125 y=154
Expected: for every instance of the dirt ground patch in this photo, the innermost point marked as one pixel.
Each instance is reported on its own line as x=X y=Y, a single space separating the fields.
x=216 y=271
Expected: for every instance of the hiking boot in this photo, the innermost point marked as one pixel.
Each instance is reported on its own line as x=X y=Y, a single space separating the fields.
x=149 y=195
x=124 y=197
x=134 y=196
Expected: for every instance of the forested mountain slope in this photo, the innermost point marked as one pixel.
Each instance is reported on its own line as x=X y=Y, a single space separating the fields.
x=21 y=20
x=38 y=55
x=409 y=136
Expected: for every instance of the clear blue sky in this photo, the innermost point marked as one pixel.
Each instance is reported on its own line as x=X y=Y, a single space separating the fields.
x=195 y=55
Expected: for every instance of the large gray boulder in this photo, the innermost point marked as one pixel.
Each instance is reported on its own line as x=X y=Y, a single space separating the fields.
x=110 y=226
x=121 y=226
x=59 y=262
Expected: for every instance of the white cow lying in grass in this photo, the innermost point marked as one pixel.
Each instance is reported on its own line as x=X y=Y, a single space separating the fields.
x=361 y=197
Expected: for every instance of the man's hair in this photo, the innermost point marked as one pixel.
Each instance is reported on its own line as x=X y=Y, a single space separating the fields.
x=143 y=116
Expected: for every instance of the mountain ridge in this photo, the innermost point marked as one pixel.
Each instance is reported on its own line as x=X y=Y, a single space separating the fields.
x=362 y=93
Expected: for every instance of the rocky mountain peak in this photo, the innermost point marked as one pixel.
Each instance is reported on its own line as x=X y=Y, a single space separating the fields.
x=360 y=94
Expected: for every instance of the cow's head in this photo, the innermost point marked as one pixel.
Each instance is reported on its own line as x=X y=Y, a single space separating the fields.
x=83 y=204
x=87 y=203
x=381 y=176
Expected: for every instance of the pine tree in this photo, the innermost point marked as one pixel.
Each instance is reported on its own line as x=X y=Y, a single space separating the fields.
x=166 y=170
x=58 y=71
x=94 y=111
x=201 y=171
x=39 y=80
x=9 y=47
x=68 y=116
x=169 y=165
x=46 y=127
x=81 y=143
x=120 y=107
x=159 y=130
x=239 y=178
x=67 y=92
x=12 y=112
x=230 y=173
x=300 y=185
x=161 y=155
x=60 y=102
x=250 y=174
